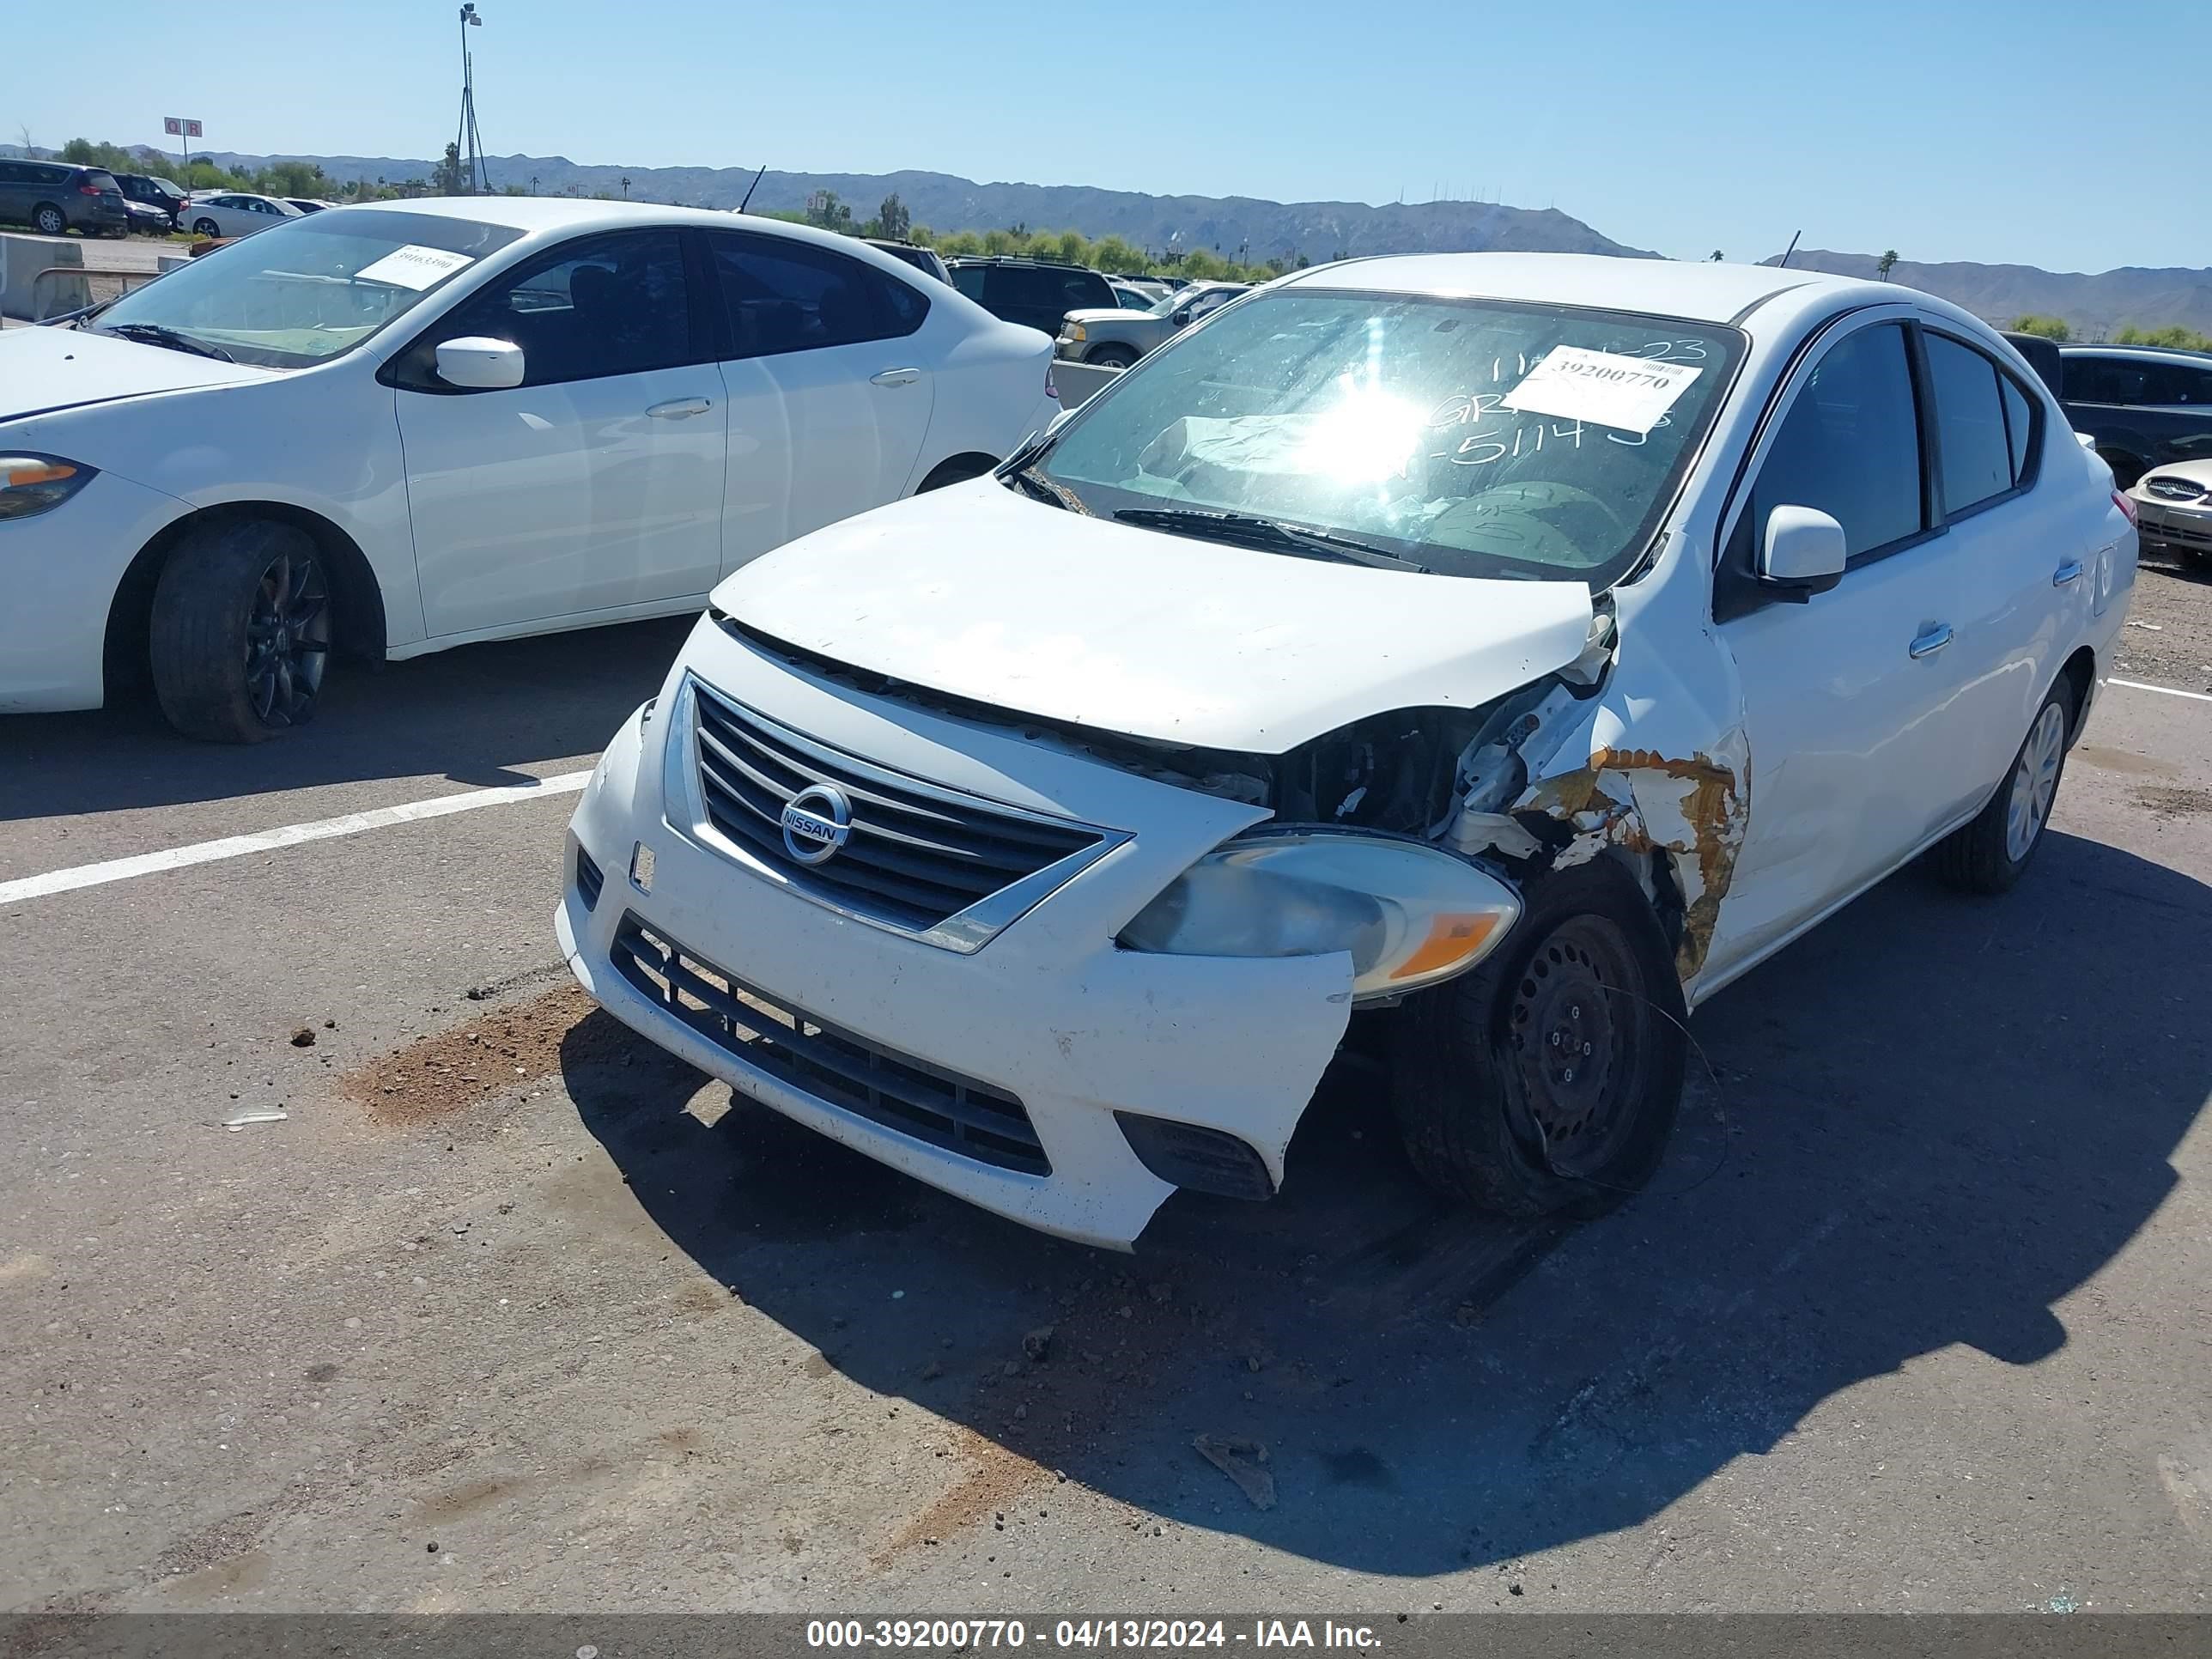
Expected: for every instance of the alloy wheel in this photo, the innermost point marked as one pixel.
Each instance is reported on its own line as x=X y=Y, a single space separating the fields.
x=2034 y=781
x=287 y=635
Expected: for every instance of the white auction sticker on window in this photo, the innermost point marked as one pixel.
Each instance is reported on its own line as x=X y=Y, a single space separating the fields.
x=413 y=267
x=1572 y=383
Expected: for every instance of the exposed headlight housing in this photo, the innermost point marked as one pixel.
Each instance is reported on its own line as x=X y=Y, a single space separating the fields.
x=1408 y=915
x=32 y=484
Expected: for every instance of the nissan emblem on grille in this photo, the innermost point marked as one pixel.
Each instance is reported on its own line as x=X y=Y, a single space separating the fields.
x=816 y=823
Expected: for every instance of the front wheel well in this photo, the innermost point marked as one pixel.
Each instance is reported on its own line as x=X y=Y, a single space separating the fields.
x=357 y=602
x=956 y=469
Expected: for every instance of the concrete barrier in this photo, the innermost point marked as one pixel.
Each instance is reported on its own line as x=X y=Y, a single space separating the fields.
x=21 y=296
x=1078 y=383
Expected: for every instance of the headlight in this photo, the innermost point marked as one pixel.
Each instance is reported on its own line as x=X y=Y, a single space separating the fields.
x=1076 y=332
x=1408 y=915
x=31 y=484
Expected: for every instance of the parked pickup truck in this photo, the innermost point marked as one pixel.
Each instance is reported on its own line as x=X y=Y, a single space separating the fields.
x=1116 y=338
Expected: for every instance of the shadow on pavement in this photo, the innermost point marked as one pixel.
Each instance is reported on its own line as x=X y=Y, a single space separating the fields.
x=1922 y=1126
x=469 y=715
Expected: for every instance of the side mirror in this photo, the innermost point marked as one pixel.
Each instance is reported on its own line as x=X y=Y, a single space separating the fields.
x=1803 y=552
x=1182 y=318
x=477 y=364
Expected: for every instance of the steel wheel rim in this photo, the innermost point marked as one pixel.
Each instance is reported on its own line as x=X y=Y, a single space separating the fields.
x=288 y=633
x=1578 y=1023
x=2034 y=781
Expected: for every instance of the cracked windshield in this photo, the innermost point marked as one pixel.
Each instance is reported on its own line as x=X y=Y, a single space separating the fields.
x=1470 y=439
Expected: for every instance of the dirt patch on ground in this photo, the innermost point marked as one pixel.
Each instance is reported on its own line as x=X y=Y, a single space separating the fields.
x=994 y=1483
x=2119 y=760
x=450 y=1071
x=2176 y=803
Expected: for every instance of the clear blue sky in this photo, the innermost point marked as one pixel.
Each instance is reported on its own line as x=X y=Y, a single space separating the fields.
x=2021 y=131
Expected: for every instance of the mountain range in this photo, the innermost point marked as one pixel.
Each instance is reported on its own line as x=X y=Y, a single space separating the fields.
x=2094 y=304
x=2095 y=307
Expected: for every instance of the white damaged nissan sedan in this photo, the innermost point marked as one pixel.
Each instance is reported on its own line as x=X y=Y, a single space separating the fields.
x=1530 y=645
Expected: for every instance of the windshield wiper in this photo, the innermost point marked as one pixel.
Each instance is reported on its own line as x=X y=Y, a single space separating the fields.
x=161 y=334
x=1250 y=530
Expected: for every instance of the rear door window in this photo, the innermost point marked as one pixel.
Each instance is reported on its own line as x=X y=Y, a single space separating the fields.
x=1970 y=424
x=779 y=297
x=2105 y=380
x=2177 y=385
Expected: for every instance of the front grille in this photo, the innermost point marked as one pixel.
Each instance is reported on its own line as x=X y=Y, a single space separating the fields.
x=915 y=856
x=2172 y=490
x=835 y=1067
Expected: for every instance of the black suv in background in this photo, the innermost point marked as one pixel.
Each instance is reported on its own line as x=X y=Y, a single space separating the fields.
x=54 y=197
x=155 y=193
x=2144 y=406
x=1030 y=292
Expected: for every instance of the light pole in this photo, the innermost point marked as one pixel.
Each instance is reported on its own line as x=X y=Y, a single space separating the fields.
x=468 y=147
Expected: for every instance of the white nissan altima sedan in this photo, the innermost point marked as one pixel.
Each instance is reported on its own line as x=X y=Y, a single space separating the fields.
x=1532 y=643
x=387 y=429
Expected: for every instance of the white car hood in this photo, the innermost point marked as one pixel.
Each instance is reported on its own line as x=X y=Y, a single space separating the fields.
x=46 y=370
x=980 y=593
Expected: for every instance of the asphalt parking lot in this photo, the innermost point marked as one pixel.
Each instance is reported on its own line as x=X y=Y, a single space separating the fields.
x=506 y=1310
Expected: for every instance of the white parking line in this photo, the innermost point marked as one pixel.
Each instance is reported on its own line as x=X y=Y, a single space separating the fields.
x=291 y=834
x=2164 y=690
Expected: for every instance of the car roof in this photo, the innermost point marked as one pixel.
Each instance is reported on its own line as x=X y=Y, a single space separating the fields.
x=2147 y=354
x=1702 y=290
x=561 y=214
x=1015 y=259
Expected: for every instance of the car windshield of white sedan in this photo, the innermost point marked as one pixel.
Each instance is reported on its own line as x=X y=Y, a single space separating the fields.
x=304 y=290
x=1471 y=438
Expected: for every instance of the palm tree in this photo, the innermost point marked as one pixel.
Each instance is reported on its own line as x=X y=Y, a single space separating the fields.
x=1883 y=264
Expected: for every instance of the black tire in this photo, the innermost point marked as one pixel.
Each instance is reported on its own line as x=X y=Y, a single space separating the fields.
x=1112 y=357
x=1990 y=854
x=240 y=631
x=1486 y=1119
x=50 y=220
x=206 y=228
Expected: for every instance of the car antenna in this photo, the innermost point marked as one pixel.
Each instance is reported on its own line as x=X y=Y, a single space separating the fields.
x=762 y=174
x=1786 y=253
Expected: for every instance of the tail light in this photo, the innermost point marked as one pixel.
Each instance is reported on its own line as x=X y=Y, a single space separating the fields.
x=90 y=189
x=1051 y=391
x=2125 y=505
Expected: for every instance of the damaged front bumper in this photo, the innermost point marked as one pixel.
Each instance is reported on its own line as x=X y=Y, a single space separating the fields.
x=1037 y=1075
